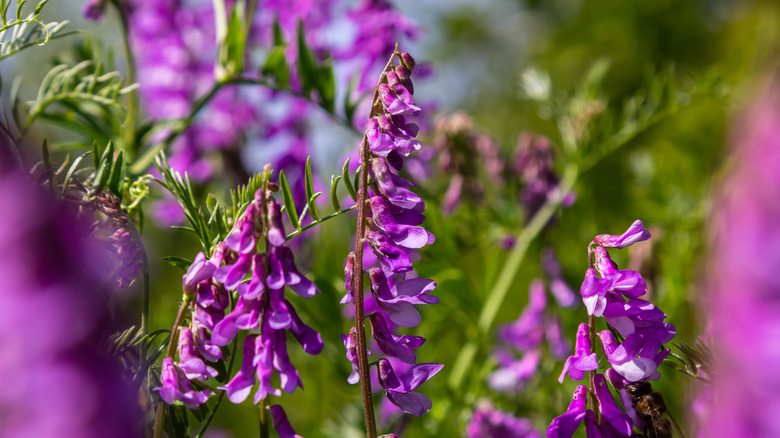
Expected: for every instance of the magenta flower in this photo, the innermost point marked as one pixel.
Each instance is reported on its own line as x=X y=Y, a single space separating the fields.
x=190 y=361
x=610 y=411
x=176 y=387
x=200 y=269
x=583 y=359
x=281 y=423
x=564 y=425
x=488 y=422
x=240 y=386
x=400 y=390
x=400 y=347
x=635 y=233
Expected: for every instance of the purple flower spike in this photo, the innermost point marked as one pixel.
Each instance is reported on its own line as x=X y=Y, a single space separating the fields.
x=582 y=360
x=200 y=269
x=240 y=386
x=281 y=424
x=392 y=345
x=255 y=288
x=564 y=425
x=408 y=236
x=623 y=358
x=399 y=391
x=193 y=366
x=176 y=387
x=635 y=233
x=225 y=330
x=209 y=351
x=397 y=302
x=243 y=241
x=609 y=408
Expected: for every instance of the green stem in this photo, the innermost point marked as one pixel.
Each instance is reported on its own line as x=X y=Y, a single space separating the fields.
x=213 y=412
x=132 y=98
x=265 y=426
x=508 y=272
x=160 y=414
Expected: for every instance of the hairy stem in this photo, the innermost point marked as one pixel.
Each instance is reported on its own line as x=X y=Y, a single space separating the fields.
x=160 y=414
x=357 y=290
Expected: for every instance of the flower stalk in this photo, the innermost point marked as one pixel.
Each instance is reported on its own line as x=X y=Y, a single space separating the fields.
x=160 y=413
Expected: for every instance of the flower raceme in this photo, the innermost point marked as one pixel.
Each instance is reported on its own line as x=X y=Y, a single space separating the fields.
x=260 y=306
x=391 y=231
x=613 y=294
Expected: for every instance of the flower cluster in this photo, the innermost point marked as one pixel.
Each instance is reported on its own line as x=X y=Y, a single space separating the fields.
x=614 y=295
x=261 y=305
x=463 y=152
x=534 y=163
x=391 y=233
x=123 y=241
x=489 y=422
x=525 y=335
x=57 y=380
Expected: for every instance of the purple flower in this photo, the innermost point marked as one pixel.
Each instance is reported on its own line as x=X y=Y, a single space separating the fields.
x=564 y=425
x=400 y=391
x=624 y=360
x=240 y=386
x=350 y=343
x=395 y=188
x=635 y=233
x=609 y=409
x=392 y=345
x=513 y=375
x=281 y=424
x=93 y=9
x=200 y=269
x=528 y=330
x=176 y=387
x=189 y=360
x=582 y=360
x=391 y=257
x=397 y=301
x=488 y=422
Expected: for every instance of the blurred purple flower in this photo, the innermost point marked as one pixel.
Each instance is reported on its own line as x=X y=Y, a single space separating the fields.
x=488 y=422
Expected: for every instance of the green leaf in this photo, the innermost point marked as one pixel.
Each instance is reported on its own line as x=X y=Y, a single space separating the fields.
x=334 y=197
x=326 y=87
x=117 y=174
x=349 y=105
x=235 y=41
x=104 y=169
x=278 y=35
x=307 y=63
x=275 y=66
x=310 y=199
x=289 y=204
x=348 y=181
x=72 y=169
x=178 y=262
x=357 y=176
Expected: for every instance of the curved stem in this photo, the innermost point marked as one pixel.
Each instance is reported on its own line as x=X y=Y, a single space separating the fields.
x=160 y=414
x=507 y=275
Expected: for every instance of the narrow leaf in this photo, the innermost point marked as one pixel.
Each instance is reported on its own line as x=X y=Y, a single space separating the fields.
x=307 y=65
x=104 y=169
x=289 y=204
x=310 y=192
x=334 y=197
x=275 y=66
x=117 y=174
x=348 y=181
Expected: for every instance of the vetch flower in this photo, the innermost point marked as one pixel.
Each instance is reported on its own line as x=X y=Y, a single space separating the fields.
x=176 y=387
x=400 y=390
x=635 y=233
x=489 y=422
x=563 y=426
x=189 y=359
x=609 y=409
x=583 y=359
x=281 y=423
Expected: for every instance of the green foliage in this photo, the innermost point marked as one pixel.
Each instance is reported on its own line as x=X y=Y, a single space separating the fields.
x=24 y=31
